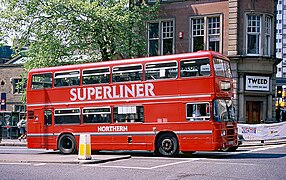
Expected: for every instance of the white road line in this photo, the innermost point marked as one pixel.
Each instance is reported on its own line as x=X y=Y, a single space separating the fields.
x=14 y=163
x=266 y=148
x=144 y=168
x=170 y=164
x=118 y=167
x=40 y=164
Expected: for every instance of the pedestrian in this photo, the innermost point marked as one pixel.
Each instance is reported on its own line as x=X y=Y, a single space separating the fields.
x=22 y=126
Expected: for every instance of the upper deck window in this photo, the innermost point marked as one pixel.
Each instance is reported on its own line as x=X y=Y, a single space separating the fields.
x=40 y=81
x=97 y=115
x=162 y=70
x=127 y=73
x=195 y=67
x=67 y=78
x=222 y=68
x=95 y=76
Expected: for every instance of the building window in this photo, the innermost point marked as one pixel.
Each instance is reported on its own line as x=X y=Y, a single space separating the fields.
x=214 y=33
x=198 y=34
x=19 y=108
x=253 y=34
x=18 y=87
x=206 y=33
x=267 y=35
x=161 y=38
x=258 y=35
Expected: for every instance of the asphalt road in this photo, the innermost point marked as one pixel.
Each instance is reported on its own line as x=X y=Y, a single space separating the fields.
x=254 y=162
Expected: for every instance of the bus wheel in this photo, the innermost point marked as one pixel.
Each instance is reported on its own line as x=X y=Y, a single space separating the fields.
x=167 y=145
x=230 y=149
x=67 y=144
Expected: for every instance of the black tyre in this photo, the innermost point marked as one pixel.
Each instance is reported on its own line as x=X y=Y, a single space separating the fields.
x=230 y=149
x=67 y=144
x=167 y=145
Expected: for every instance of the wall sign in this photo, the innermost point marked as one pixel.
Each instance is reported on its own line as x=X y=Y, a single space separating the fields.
x=257 y=83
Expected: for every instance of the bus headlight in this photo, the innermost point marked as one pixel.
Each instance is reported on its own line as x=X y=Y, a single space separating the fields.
x=223 y=133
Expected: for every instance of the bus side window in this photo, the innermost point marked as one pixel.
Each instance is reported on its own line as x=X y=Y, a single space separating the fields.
x=97 y=115
x=96 y=76
x=40 y=81
x=195 y=67
x=128 y=114
x=67 y=116
x=197 y=111
x=70 y=78
x=48 y=117
x=161 y=70
x=127 y=73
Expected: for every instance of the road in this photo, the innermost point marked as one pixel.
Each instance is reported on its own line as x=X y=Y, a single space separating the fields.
x=255 y=162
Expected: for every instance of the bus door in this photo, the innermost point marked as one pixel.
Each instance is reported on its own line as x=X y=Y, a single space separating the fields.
x=128 y=122
x=48 y=128
x=34 y=128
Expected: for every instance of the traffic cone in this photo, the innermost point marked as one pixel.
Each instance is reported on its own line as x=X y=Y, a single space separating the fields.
x=84 y=152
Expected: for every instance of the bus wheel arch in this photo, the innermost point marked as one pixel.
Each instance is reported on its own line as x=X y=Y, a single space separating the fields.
x=166 y=144
x=67 y=143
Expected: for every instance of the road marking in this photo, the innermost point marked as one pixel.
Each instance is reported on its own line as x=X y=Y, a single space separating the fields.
x=144 y=168
x=267 y=148
x=11 y=163
x=170 y=164
x=118 y=167
x=40 y=164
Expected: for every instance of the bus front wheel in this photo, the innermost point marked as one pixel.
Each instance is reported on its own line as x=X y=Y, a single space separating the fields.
x=230 y=149
x=67 y=144
x=167 y=145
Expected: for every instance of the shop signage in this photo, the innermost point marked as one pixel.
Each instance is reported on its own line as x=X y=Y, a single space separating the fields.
x=257 y=83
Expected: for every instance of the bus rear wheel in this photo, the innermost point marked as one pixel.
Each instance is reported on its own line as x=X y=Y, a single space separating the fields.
x=67 y=144
x=167 y=145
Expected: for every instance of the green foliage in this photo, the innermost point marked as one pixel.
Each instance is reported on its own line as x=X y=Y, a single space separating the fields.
x=58 y=32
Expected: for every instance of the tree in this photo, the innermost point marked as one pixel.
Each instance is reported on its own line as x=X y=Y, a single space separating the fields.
x=60 y=32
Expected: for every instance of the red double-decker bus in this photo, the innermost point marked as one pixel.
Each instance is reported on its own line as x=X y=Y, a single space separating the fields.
x=164 y=104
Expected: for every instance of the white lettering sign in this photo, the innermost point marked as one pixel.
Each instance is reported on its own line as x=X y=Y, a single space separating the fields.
x=111 y=92
x=112 y=128
x=257 y=83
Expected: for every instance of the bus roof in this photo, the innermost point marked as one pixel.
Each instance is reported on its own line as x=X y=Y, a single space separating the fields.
x=124 y=61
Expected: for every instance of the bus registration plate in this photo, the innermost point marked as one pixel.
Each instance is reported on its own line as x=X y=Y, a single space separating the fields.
x=230 y=142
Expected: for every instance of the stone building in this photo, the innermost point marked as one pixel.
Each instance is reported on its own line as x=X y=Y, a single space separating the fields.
x=10 y=77
x=242 y=30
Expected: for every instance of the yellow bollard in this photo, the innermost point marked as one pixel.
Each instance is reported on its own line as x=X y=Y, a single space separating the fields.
x=84 y=152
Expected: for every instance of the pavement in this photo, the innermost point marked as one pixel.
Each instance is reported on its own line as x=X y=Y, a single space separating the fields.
x=53 y=156
x=57 y=157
